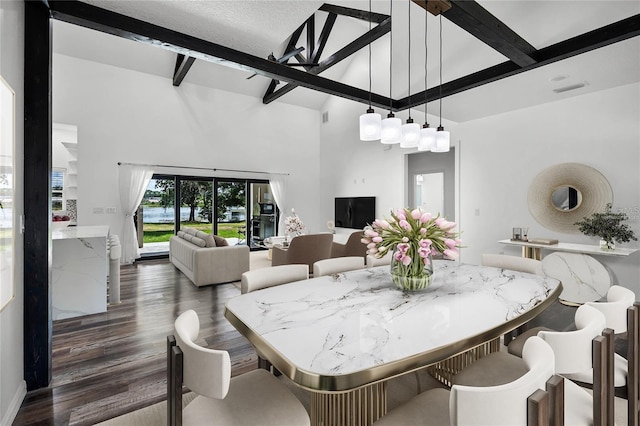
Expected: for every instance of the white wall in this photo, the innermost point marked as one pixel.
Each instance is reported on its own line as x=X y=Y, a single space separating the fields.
x=499 y=157
x=128 y=116
x=12 y=385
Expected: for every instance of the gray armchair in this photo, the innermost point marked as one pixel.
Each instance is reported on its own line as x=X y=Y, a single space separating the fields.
x=303 y=249
x=353 y=247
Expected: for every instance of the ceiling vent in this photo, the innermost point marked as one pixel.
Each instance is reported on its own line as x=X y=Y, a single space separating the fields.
x=570 y=87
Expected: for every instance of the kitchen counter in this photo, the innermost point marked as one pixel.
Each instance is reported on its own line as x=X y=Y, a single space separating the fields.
x=79 y=273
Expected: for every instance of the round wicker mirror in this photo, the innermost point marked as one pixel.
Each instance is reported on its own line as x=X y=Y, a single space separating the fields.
x=594 y=189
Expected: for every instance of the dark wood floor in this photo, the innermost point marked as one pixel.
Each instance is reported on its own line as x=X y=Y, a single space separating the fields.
x=105 y=365
x=109 y=364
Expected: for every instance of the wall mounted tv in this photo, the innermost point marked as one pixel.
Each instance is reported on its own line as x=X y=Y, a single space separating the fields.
x=355 y=212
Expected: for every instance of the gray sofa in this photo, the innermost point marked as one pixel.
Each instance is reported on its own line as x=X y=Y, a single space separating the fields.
x=203 y=261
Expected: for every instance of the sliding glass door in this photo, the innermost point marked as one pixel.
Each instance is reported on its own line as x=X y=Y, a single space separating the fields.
x=242 y=211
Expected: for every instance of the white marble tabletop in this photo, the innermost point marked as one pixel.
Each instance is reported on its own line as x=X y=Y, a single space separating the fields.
x=80 y=232
x=358 y=323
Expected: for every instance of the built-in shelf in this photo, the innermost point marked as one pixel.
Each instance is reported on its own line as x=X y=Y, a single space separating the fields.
x=530 y=249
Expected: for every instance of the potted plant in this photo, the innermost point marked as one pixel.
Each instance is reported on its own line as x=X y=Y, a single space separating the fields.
x=608 y=226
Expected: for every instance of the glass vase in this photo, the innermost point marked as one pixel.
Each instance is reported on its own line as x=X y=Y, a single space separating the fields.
x=416 y=276
x=607 y=245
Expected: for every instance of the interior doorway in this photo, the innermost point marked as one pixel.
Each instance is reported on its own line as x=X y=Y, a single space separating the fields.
x=431 y=178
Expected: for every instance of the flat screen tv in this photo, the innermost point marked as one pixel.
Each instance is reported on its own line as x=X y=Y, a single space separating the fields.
x=355 y=212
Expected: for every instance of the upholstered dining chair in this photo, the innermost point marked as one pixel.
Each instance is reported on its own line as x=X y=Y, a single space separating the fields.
x=505 y=404
x=306 y=249
x=513 y=263
x=337 y=265
x=272 y=276
x=256 y=397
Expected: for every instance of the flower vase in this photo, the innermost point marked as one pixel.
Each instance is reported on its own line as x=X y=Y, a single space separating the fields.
x=416 y=276
x=607 y=245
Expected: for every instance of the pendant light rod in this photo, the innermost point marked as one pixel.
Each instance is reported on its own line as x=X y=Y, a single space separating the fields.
x=390 y=56
x=440 y=16
x=409 y=56
x=369 y=55
x=426 y=62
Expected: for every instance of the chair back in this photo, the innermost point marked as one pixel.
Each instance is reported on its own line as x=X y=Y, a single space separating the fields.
x=572 y=349
x=513 y=263
x=337 y=265
x=206 y=371
x=272 y=276
x=352 y=247
x=504 y=404
x=308 y=249
x=615 y=308
x=374 y=261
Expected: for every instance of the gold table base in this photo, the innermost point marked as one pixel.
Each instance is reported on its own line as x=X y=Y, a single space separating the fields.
x=361 y=406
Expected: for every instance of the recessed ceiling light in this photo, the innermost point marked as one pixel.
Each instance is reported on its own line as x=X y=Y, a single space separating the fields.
x=559 y=78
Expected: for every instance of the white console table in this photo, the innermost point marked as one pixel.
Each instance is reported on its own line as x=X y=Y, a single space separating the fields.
x=79 y=272
x=533 y=250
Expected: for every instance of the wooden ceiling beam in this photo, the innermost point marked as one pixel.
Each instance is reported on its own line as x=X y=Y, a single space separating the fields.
x=95 y=18
x=601 y=37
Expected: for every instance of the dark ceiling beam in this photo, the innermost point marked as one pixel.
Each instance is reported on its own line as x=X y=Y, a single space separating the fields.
x=95 y=18
x=364 y=15
x=324 y=36
x=362 y=41
x=481 y=24
x=311 y=34
x=183 y=65
x=601 y=37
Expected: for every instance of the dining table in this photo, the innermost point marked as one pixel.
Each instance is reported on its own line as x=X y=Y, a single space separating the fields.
x=343 y=336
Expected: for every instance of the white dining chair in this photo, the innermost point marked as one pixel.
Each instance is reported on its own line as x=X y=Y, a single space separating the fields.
x=615 y=307
x=252 y=398
x=272 y=276
x=505 y=404
x=336 y=265
x=513 y=263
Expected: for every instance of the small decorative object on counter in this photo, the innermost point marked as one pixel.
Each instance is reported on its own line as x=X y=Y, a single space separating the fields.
x=293 y=225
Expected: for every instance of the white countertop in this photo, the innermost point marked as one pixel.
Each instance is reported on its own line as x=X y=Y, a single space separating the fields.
x=574 y=248
x=345 y=323
x=80 y=232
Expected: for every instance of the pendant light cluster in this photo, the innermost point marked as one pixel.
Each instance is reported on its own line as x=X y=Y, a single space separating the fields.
x=391 y=130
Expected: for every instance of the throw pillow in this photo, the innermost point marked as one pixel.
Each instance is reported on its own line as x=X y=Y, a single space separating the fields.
x=208 y=238
x=195 y=240
x=190 y=231
x=181 y=234
x=220 y=242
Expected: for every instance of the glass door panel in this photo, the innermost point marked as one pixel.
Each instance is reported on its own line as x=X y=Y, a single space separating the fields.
x=156 y=216
x=196 y=204
x=263 y=214
x=231 y=210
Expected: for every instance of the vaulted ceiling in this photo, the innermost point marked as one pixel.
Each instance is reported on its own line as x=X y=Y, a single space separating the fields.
x=501 y=39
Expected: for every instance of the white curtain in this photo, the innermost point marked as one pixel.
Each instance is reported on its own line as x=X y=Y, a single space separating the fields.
x=278 y=183
x=133 y=183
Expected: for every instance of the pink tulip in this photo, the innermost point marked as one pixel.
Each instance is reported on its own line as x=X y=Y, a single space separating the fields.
x=398 y=256
x=372 y=250
x=376 y=239
x=416 y=214
x=424 y=252
x=371 y=245
x=451 y=254
x=405 y=239
x=450 y=243
x=365 y=240
x=426 y=261
x=370 y=233
x=400 y=214
x=423 y=231
x=403 y=248
x=406 y=261
x=405 y=225
x=381 y=223
x=426 y=217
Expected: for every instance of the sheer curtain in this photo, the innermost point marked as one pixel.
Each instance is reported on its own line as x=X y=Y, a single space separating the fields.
x=133 y=183
x=278 y=184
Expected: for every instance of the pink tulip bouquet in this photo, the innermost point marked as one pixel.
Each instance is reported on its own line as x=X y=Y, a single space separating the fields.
x=413 y=236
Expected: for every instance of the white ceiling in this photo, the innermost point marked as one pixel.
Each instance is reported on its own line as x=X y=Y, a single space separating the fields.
x=261 y=27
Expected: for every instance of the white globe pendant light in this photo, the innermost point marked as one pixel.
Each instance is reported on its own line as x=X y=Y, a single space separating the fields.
x=370 y=126
x=427 y=137
x=370 y=122
x=442 y=141
x=410 y=134
x=391 y=130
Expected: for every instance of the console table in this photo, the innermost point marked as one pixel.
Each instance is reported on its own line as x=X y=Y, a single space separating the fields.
x=533 y=250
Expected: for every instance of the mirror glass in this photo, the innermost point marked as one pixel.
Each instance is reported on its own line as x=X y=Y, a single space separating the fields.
x=566 y=198
x=429 y=192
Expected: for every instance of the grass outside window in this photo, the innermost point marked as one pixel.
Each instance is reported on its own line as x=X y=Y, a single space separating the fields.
x=161 y=232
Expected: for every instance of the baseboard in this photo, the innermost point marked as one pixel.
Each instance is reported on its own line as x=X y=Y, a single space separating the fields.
x=16 y=402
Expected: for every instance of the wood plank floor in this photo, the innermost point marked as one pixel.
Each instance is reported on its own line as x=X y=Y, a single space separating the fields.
x=105 y=365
